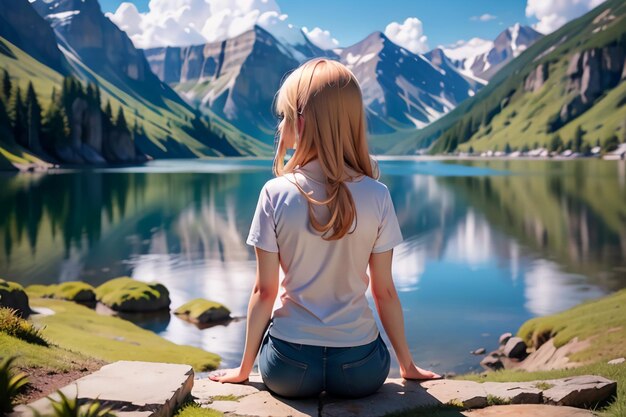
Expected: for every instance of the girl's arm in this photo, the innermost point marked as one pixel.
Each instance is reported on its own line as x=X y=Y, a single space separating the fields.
x=390 y=313
x=259 y=314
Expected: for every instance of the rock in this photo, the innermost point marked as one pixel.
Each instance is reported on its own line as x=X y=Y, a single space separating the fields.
x=492 y=362
x=76 y=291
x=504 y=337
x=125 y=294
x=529 y=410
x=514 y=392
x=537 y=78
x=129 y=388
x=12 y=295
x=479 y=351
x=515 y=347
x=468 y=393
x=203 y=312
x=579 y=391
x=616 y=361
x=548 y=357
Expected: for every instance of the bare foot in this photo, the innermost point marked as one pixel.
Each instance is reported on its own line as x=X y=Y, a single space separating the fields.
x=417 y=373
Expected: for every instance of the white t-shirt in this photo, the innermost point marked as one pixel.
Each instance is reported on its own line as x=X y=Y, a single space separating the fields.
x=322 y=295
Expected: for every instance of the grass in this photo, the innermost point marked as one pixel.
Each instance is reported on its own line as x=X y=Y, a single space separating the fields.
x=603 y=319
x=13 y=325
x=119 y=292
x=543 y=385
x=495 y=400
x=194 y=410
x=70 y=291
x=10 y=287
x=229 y=397
x=76 y=328
x=200 y=309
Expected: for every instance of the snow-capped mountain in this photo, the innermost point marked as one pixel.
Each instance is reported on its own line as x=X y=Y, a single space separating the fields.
x=402 y=89
x=482 y=58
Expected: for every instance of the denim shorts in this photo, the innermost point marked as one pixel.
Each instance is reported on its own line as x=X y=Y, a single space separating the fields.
x=296 y=371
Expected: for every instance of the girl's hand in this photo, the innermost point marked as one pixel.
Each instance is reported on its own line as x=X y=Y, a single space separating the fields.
x=232 y=376
x=413 y=372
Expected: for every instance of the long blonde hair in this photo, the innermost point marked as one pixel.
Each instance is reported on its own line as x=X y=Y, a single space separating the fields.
x=327 y=95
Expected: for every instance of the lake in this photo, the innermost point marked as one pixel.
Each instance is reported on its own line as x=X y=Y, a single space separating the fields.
x=488 y=243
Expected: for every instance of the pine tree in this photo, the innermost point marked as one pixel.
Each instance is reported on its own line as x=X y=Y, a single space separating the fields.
x=556 y=144
x=108 y=112
x=6 y=134
x=578 y=139
x=7 y=86
x=507 y=148
x=33 y=115
x=55 y=127
x=120 y=120
x=19 y=117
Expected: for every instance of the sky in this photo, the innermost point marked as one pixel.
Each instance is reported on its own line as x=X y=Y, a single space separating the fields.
x=418 y=25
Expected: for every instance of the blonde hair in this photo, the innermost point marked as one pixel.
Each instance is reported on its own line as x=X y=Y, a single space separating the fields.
x=327 y=95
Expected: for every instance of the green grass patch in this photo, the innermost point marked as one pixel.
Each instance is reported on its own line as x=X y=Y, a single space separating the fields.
x=77 y=328
x=229 y=397
x=13 y=325
x=194 y=410
x=603 y=319
x=200 y=310
x=70 y=291
x=543 y=385
x=495 y=400
x=124 y=294
x=9 y=286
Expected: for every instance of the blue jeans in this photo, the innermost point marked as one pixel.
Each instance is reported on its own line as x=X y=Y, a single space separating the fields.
x=296 y=371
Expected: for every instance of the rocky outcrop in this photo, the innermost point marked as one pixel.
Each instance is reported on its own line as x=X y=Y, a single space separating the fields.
x=536 y=79
x=203 y=312
x=590 y=74
x=12 y=295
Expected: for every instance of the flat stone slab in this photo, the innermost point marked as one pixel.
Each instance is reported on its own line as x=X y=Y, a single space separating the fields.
x=530 y=410
x=579 y=391
x=132 y=389
x=536 y=398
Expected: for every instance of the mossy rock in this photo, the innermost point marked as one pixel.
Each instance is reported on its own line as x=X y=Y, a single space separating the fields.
x=201 y=311
x=131 y=296
x=12 y=295
x=76 y=291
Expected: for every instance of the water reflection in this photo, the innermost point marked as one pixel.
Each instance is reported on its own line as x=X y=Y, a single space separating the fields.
x=487 y=245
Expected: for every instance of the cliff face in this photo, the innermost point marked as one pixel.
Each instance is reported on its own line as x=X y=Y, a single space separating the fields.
x=590 y=74
x=22 y=26
x=236 y=79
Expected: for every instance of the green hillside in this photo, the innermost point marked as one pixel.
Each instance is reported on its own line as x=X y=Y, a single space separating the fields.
x=509 y=110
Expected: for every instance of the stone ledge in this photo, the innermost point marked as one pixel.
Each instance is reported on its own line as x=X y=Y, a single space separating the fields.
x=131 y=389
x=398 y=395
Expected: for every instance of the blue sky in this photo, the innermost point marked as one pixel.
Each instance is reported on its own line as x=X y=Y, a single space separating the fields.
x=444 y=21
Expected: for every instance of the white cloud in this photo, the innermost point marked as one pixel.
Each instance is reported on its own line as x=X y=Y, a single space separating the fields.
x=321 y=38
x=552 y=14
x=409 y=35
x=484 y=17
x=189 y=22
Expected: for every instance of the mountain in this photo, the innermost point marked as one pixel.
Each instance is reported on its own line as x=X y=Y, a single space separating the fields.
x=235 y=79
x=402 y=89
x=483 y=59
x=22 y=26
x=44 y=43
x=567 y=86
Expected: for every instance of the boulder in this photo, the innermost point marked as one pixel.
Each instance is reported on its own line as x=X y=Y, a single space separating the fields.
x=12 y=295
x=515 y=348
x=479 y=351
x=76 y=291
x=492 y=362
x=504 y=337
x=125 y=294
x=203 y=312
x=616 y=361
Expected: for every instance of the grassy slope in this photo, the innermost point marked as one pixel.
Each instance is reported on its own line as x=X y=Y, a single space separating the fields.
x=603 y=319
x=535 y=108
x=79 y=333
x=159 y=122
